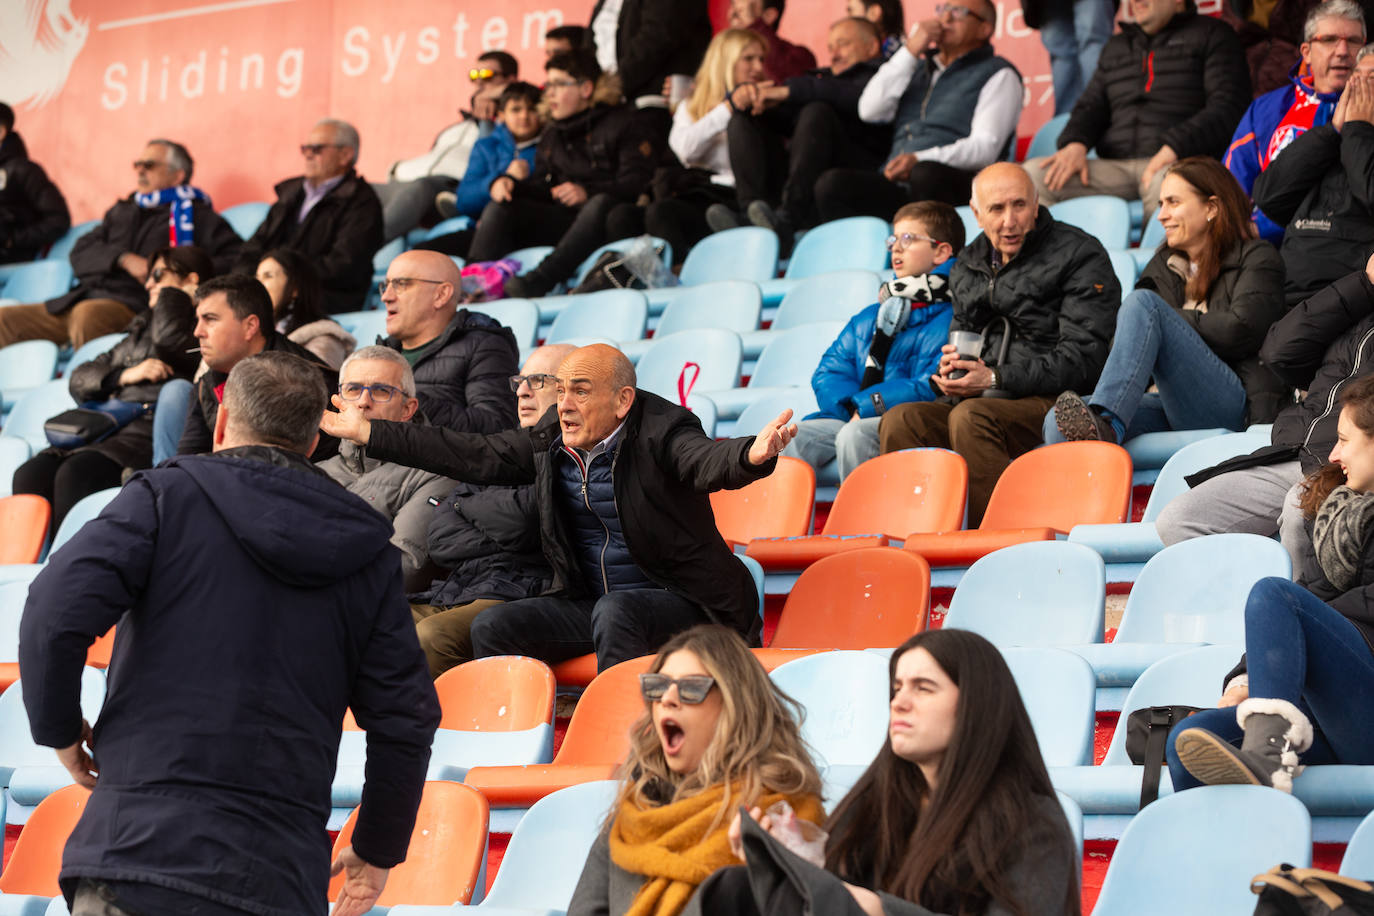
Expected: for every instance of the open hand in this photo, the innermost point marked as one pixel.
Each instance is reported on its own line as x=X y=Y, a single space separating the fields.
x=1361 y=92
x=349 y=424
x=772 y=439
x=1071 y=160
x=78 y=761
x=362 y=885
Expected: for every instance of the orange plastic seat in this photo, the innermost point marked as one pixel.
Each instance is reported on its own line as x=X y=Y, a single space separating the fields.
x=856 y=600
x=503 y=693
x=919 y=489
x=1040 y=495
x=37 y=855
x=446 y=851
x=9 y=673
x=779 y=505
x=98 y=655
x=23 y=527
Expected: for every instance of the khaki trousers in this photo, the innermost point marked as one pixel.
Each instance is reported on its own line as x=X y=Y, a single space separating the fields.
x=445 y=632
x=1113 y=177
x=88 y=319
x=987 y=432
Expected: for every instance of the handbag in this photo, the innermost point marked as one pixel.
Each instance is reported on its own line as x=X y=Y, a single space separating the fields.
x=1287 y=891
x=92 y=422
x=609 y=272
x=1146 y=732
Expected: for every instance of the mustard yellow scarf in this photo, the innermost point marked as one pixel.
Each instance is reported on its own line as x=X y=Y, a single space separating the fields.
x=674 y=847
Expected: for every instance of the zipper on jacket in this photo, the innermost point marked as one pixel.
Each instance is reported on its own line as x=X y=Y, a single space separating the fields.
x=1331 y=397
x=584 y=469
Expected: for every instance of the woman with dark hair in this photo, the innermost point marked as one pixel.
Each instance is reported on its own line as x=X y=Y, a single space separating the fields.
x=298 y=305
x=1194 y=323
x=1305 y=691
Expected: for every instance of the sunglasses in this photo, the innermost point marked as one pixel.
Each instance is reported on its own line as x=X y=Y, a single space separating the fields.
x=691 y=689
x=314 y=149
x=160 y=272
x=482 y=74
x=536 y=381
x=146 y=165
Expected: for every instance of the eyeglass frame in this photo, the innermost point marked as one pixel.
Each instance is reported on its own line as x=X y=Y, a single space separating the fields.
x=1332 y=40
x=963 y=12
x=561 y=84
x=544 y=379
x=893 y=239
x=402 y=283
x=147 y=165
x=372 y=390
x=162 y=270
x=315 y=149
x=686 y=687
x=482 y=74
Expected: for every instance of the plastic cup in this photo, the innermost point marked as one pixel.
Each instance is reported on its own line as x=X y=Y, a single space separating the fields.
x=969 y=345
x=680 y=88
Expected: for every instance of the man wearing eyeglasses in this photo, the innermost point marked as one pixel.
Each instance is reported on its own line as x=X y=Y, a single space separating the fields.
x=111 y=261
x=328 y=214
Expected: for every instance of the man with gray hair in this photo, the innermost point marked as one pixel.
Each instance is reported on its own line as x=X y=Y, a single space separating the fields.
x=329 y=214
x=377 y=382
x=225 y=569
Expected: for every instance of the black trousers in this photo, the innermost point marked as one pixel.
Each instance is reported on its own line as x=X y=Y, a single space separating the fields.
x=853 y=192
x=575 y=232
x=65 y=478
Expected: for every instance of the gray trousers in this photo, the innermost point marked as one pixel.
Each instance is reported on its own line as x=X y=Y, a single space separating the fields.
x=821 y=441
x=1262 y=500
x=1113 y=177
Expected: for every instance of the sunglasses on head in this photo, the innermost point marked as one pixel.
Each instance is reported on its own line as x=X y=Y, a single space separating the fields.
x=691 y=689
x=481 y=74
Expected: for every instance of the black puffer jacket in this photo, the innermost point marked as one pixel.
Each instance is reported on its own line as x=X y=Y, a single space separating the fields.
x=1185 y=87
x=463 y=377
x=33 y=212
x=655 y=39
x=1321 y=190
x=489 y=538
x=1060 y=295
x=1245 y=300
x=665 y=469
x=605 y=149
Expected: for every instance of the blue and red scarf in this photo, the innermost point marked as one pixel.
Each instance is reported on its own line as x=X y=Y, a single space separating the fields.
x=181 y=224
x=1307 y=111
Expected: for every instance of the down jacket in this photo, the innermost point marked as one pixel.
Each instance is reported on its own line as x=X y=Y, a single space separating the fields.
x=463 y=377
x=33 y=212
x=605 y=149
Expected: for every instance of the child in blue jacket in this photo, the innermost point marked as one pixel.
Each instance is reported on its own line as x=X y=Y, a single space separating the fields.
x=517 y=133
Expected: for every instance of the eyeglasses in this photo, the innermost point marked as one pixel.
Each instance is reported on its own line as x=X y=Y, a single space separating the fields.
x=146 y=165
x=559 y=84
x=691 y=689
x=482 y=74
x=402 y=284
x=351 y=391
x=160 y=272
x=314 y=149
x=957 y=12
x=906 y=240
x=1332 y=40
x=536 y=381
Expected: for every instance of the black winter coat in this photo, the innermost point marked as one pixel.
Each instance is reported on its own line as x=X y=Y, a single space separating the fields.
x=339 y=236
x=1185 y=87
x=1245 y=300
x=256 y=601
x=605 y=149
x=33 y=212
x=127 y=227
x=664 y=470
x=1061 y=297
x=655 y=39
x=1323 y=196
x=463 y=378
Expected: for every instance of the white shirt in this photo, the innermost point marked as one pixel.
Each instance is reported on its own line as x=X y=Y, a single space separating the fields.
x=702 y=144
x=995 y=115
x=604 y=27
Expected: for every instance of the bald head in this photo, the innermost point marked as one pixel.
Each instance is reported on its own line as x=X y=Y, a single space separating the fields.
x=596 y=388
x=540 y=369
x=421 y=296
x=1005 y=205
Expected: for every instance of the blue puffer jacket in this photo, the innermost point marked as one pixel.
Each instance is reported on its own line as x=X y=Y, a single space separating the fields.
x=913 y=359
x=491 y=156
x=598 y=538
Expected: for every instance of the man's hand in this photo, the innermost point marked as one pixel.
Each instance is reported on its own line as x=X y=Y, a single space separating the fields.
x=977 y=380
x=1070 y=161
x=77 y=761
x=770 y=95
x=1234 y=696
x=134 y=265
x=151 y=369
x=484 y=106
x=569 y=194
x=518 y=169
x=1361 y=105
x=924 y=35
x=1338 y=116
x=744 y=97
x=1165 y=156
x=502 y=188
x=899 y=168
x=351 y=425
x=362 y=885
x=772 y=439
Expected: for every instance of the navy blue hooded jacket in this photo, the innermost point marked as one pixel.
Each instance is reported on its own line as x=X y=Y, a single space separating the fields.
x=262 y=599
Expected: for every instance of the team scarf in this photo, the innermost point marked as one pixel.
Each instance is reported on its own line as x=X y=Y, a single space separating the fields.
x=1307 y=111
x=181 y=224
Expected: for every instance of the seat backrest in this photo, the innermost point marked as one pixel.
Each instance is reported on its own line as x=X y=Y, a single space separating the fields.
x=1059 y=690
x=746 y=253
x=27 y=363
x=1062 y=485
x=617 y=314
x=971 y=228
x=501 y=693
x=1192 y=677
x=447 y=848
x=1127 y=271
x=902 y=493
x=858 y=599
x=791 y=358
x=800 y=400
x=734 y=305
x=520 y=315
x=544 y=859
x=382 y=259
x=365 y=326
x=36 y=281
x=1107 y=218
x=33 y=409
x=1209 y=842
x=835 y=296
x=620 y=245
x=845 y=697
x=599 y=731
x=93 y=348
x=1358 y=861
x=705 y=410
x=246 y=218
x=529 y=258
x=1043 y=143
x=1195 y=590
x=17 y=748
x=718 y=353
x=852 y=242
x=13 y=452
x=779 y=505
x=62 y=248
x=24 y=527
x=1193 y=458
x=37 y=857
x=87 y=508
x=1045 y=593
x=1152 y=235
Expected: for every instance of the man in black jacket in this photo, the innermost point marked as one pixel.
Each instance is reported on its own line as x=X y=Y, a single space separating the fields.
x=621 y=479
x=224 y=570
x=33 y=212
x=1170 y=85
x=646 y=41
x=329 y=214
x=111 y=261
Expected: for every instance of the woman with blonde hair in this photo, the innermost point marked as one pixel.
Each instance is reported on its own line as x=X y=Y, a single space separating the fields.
x=716 y=734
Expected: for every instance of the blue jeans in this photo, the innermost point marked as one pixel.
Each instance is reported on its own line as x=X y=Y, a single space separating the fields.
x=1074 y=44
x=169 y=419
x=1196 y=389
x=1300 y=649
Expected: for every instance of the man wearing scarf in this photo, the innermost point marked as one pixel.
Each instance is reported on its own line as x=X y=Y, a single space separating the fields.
x=111 y=261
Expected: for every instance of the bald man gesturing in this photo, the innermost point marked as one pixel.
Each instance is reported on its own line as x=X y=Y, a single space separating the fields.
x=622 y=479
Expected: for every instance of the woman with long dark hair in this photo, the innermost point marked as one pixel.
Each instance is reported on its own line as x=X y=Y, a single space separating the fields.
x=298 y=306
x=1193 y=325
x=1305 y=691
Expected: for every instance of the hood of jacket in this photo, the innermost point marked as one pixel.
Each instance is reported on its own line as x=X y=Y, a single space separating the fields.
x=13 y=148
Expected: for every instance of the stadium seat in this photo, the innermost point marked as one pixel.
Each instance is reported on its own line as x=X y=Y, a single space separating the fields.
x=28 y=771
x=852 y=243
x=845 y=696
x=1043 y=593
x=24 y=527
x=448 y=848
x=890 y=496
x=617 y=314
x=1044 y=141
x=733 y=305
x=835 y=296
x=746 y=253
x=529 y=258
x=13 y=452
x=705 y=410
x=1041 y=495
x=24 y=366
x=789 y=361
x=971 y=228
x=1059 y=692
x=1195 y=852
x=383 y=257
x=62 y=248
x=496 y=711
x=36 y=281
x=520 y=315
x=86 y=508
x=1127 y=271
x=1358 y=861
x=544 y=858
x=93 y=348
x=446 y=227
x=365 y=326
x=37 y=857
x=859 y=599
x=25 y=420
x=620 y=245
x=246 y=218
x=779 y=505
x=664 y=368
x=1104 y=217
x=1152 y=236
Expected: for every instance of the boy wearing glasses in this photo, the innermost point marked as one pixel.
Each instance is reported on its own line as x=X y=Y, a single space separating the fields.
x=887 y=353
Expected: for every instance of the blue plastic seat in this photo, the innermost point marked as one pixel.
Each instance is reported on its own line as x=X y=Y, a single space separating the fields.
x=1106 y=218
x=1358 y=861
x=734 y=305
x=1045 y=593
x=615 y=314
x=971 y=228
x=86 y=508
x=24 y=366
x=30 y=772
x=1153 y=450
x=663 y=367
x=788 y=361
x=852 y=243
x=13 y=452
x=620 y=245
x=529 y=258
x=835 y=296
x=1059 y=692
x=385 y=255
x=1044 y=143
x=747 y=253
x=25 y=420
x=1127 y=271
x=1195 y=852
x=706 y=412
x=93 y=348
x=365 y=326
x=846 y=696
x=445 y=227
x=37 y=281
x=246 y=218
x=520 y=315
x=1152 y=236
x=62 y=248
